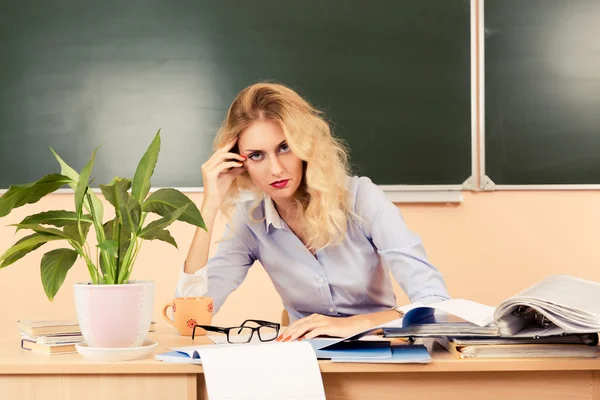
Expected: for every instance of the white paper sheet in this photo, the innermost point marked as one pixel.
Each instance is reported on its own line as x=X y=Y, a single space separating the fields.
x=262 y=371
x=476 y=313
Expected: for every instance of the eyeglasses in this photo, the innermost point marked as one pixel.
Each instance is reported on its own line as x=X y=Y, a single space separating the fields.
x=266 y=330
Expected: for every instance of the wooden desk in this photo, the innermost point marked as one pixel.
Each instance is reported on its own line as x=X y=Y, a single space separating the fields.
x=27 y=375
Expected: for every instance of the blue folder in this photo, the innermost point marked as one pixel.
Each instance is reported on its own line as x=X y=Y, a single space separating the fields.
x=355 y=349
x=404 y=353
x=378 y=351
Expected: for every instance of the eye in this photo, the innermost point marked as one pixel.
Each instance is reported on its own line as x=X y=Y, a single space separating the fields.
x=255 y=156
x=284 y=148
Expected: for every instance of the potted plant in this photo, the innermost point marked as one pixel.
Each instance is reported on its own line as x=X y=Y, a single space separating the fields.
x=112 y=310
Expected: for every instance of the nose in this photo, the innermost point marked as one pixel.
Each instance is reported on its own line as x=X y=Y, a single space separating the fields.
x=276 y=167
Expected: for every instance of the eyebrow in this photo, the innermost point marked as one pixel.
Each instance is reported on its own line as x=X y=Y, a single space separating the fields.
x=260 y=151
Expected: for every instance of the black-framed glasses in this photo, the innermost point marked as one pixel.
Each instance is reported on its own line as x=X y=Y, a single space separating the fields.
x=266 y=330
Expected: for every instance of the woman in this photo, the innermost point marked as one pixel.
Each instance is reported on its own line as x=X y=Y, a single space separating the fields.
x=325 y=239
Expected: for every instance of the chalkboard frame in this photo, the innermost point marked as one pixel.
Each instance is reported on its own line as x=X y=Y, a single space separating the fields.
x=428 y=193
x=486 y=183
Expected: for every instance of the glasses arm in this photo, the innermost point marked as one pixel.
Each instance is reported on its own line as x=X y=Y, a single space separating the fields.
x=209 y=328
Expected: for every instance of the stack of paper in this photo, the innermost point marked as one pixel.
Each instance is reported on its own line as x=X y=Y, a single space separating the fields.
x=558 y=304
x=570 y=303
x=521 y=348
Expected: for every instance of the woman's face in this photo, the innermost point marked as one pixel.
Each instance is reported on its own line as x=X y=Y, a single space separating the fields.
x=270 y=162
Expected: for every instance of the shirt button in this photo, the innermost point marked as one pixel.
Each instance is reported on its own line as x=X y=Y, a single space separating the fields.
x=321 y=280
x=331 y=309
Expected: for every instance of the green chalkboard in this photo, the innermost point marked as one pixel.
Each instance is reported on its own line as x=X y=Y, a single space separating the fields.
x=542 y=92
x=392 y=76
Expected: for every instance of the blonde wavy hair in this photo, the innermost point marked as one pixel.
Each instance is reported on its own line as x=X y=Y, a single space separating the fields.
x=322 y=198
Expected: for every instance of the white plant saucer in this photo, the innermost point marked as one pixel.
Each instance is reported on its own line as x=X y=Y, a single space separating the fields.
x=117 y=354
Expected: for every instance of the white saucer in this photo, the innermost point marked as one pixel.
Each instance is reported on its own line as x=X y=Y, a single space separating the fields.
x=116 y=354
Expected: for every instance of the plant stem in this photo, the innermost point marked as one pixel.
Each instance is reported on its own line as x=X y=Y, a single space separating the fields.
x=138 y=246
x=91 y=268
x=99 y=237
x=116 y=280
x=85 y=247
x=135 y=254
x=79 y=220
x=127 y=260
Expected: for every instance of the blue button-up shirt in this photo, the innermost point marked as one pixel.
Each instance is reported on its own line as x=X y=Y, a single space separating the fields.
x=340 y=280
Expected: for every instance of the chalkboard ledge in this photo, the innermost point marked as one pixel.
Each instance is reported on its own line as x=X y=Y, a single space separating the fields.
x=395 y=193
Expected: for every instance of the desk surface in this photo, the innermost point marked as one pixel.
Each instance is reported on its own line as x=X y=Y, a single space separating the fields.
x=16 y=361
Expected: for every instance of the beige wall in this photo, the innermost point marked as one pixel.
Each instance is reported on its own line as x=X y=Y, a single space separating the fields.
x=489 y=247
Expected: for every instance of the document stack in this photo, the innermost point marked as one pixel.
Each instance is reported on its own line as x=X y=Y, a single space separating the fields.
x=49 y=337
x=558 y=316
x=52 y=336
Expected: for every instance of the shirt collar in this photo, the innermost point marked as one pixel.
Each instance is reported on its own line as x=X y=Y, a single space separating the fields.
x=271 y=215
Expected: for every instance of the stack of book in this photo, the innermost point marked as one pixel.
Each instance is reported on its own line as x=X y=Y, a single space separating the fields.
x=558 y=316
x=49 y=336
x=52 y=336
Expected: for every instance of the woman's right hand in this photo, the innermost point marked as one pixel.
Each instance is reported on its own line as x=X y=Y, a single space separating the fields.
x=218 y=173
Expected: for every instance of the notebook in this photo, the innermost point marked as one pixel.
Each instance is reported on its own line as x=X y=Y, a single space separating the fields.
x=35 y=328
x=47 y=327
x=55 y=348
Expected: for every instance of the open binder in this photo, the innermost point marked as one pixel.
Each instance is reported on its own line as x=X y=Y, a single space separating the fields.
x=554 y=303
x=557 y=305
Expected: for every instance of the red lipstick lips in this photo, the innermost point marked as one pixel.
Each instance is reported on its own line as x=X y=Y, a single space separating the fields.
x=280 y=184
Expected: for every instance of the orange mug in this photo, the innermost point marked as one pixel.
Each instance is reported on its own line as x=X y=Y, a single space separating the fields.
x=189 y=312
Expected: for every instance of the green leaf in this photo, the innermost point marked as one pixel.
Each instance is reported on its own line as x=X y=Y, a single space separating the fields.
x=164 y=201
x=56 y=218
x=25 y=245
x=84 y=177
x=19 y=195
x=163 y=235
x=155 y=227
x=71 y=173
x=72 y=231
x=132 y=214
x=111 y=233
x=22 y=253
x=70 y=234
x=54 y=267
x=67 y=170
x=145 y=169
x=110 y=246
x=127 y=208
x=116 y=190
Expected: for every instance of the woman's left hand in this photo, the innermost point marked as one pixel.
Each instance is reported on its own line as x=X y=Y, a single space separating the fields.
x=317 y=325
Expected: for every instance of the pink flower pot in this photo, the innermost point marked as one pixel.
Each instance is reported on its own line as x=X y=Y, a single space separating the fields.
x=114 y=315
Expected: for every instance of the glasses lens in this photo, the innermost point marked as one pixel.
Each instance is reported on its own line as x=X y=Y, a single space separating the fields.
x=240 y=335
x=267 y=333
